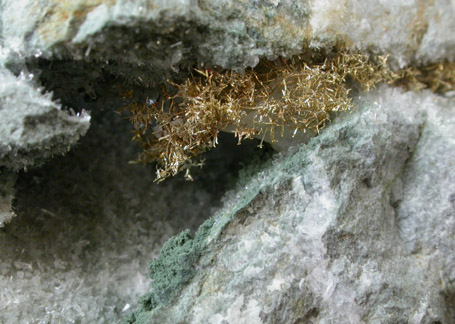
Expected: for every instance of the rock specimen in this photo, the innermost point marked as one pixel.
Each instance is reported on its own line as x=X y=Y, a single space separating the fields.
x=33 y=127
x=88 y=224
x=159 y=35
x=355 y=227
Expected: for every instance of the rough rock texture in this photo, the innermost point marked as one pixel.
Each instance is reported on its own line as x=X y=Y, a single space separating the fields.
x=72 y=47
x=145 y=40
x=408 y=30
x=88 y=223
x=32 y=126
x=356 y=227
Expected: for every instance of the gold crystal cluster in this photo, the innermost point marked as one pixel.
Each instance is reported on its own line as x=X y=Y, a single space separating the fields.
x=439 y=77
x=298 y=95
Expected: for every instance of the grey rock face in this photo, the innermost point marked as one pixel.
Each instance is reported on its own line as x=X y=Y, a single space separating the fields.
x=143 y=39
x=33 y=127
x=88 y=224
x=225 y=33
x=146 y=41
x=355 y=227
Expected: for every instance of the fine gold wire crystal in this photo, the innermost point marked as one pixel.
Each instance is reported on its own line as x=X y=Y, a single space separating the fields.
x=262 y=102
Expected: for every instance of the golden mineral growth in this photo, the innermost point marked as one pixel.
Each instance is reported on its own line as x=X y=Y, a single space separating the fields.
x=275 y=101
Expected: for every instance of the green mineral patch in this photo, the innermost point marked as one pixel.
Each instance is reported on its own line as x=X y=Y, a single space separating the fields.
x=171 y=270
